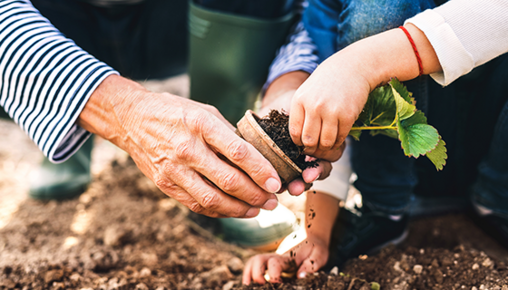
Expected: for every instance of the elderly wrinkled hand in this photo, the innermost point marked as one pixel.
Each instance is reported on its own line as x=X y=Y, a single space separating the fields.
x=187 y=148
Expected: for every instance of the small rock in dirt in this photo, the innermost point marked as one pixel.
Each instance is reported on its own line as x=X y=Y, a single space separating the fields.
x=435 y=263
x=235 y=265
x=334 y=271
x=141 y=286
x=229 y=285
x=58 y=286
x=476 y=266
x=417 y=269
x=145 y=272
x=75 y=277
x=114 y=235
x=53 y=275
x=160 y=288
x=487 y=263
x=396 y=267
x=474 y=288
x=438 y=275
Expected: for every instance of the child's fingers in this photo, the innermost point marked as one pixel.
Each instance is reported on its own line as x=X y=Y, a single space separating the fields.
x=329 y=133
x=275 y=268
x=311 y=132
x=296 y=121
x=313 y=263
x=258 y=268
x=247 y=269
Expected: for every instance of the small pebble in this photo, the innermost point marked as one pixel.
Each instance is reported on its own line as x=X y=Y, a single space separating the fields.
x=145 y=272
x=334 y=271
x=417 y=269
x=487 y=262
x=476 y=266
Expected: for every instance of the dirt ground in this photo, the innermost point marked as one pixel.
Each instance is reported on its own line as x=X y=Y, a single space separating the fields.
x=123 y=233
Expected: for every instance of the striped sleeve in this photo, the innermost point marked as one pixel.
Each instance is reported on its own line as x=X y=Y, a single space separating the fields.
x=298 y=54
x=45 y=79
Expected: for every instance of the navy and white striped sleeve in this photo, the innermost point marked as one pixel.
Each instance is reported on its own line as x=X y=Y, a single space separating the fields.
x=298 y=54
x=45 y=79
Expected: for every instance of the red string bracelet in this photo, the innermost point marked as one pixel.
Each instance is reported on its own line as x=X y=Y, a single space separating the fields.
x=420 y=67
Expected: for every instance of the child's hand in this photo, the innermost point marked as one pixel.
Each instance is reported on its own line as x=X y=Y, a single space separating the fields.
x=307 y=257
x=326 y=105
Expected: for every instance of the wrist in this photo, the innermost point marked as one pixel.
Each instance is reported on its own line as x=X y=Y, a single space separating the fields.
x=288 y=82
x=105 y=112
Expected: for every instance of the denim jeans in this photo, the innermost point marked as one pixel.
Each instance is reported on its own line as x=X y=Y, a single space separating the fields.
x=471 y=115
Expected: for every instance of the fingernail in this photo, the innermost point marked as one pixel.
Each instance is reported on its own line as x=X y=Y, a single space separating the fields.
x=252 y=212
x=270 y=204
x=302 y=275
x=272 y=185
x=319 y=175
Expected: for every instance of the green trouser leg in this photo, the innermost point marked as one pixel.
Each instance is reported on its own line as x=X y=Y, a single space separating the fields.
x=230 y=56
x=64 y=180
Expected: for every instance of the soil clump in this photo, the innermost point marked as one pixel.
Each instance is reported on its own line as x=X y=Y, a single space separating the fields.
x=276 y=125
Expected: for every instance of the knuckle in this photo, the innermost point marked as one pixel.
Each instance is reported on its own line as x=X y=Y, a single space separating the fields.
x=184 y=150
x=237 y=150
x=228 y=182
x=196 y=207
x=256 y=200
x=309 y=141
x=326 y=144
x=210 y=200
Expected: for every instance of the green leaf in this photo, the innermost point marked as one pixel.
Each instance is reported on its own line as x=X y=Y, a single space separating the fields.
x=355 y=134
x=380 y=108
x=438 y=155
x=402 y=90
x=417 y=139
x=404 y=108
x=375 y=286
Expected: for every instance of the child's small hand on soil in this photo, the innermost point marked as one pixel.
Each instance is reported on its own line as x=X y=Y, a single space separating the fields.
x=306 y=257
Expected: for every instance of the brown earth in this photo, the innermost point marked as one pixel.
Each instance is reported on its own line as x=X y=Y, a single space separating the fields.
x=123 y=233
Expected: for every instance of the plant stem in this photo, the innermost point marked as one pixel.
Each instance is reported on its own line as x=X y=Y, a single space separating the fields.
x=374 y=128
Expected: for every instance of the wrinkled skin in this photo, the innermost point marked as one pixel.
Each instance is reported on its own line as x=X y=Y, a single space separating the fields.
x=187 y=148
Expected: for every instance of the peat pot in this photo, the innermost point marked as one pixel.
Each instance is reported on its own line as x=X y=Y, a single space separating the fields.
x=248 y=128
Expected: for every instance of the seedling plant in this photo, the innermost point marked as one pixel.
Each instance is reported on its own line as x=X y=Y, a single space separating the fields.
x=390 y=110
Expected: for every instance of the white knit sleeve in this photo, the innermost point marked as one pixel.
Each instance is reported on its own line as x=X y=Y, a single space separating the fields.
x=464 y=34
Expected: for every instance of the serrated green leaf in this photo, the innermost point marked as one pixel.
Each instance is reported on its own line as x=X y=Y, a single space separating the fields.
x=417 y=118
x=438 y=156
x=402 y=90
x=417 y=139
x=404 y=108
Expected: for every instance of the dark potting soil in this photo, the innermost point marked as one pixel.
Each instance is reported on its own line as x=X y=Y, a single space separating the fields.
x=276 y=125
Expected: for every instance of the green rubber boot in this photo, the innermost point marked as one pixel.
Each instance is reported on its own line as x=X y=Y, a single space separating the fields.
x=230 y=56
x=65 y=180
x=264 y=232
